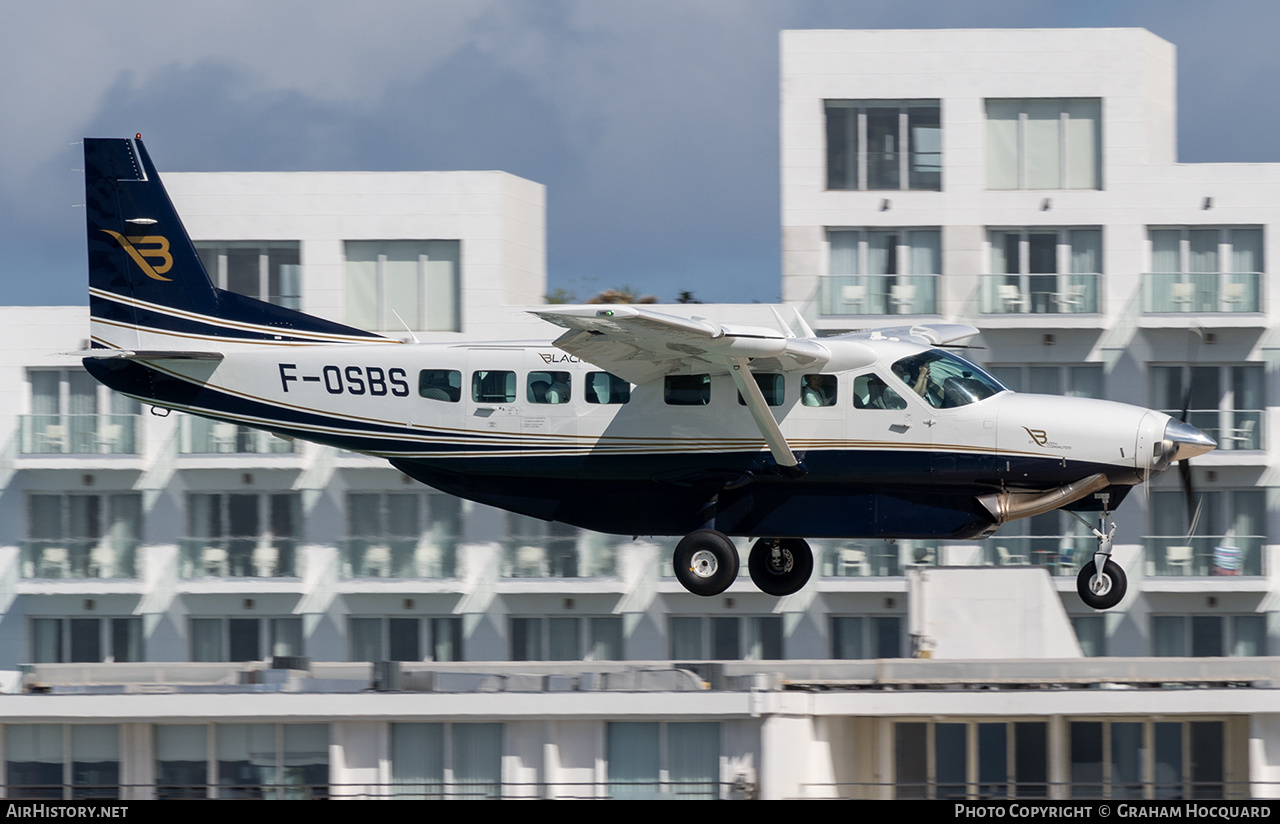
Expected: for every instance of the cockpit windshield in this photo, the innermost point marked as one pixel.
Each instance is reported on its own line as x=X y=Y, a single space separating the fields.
x=945 y=380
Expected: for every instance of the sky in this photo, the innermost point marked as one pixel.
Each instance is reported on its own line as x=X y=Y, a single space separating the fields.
x=652 y=123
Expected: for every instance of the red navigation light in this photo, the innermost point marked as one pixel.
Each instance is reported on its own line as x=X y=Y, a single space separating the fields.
x=138 y=136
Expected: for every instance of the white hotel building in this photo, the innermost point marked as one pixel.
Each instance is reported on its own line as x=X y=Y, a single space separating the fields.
x=192 y=609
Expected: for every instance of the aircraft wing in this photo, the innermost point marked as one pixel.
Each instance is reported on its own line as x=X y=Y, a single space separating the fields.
x=929 y=334
x=639 y=344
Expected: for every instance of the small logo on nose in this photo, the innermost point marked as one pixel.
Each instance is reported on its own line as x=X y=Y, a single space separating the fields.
x=1038 y=435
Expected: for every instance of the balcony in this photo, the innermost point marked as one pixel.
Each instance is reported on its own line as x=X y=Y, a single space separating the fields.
x=1204 y=555
x=1039 y=294
x=248 y=557
x=1227 y=293
x=570 y=556
x=876 y=559
x=879 y=295
x=79 y=434
x=79 y=558
x=1233 y=429
x=1062 y=555
x=399 y=557
x=198 y=436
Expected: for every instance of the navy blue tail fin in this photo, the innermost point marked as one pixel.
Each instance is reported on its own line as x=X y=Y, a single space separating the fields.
x=146 y=281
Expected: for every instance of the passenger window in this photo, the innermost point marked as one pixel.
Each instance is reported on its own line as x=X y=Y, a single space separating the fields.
x=440 y=384
x=687 y=390
x=547 y=387
x=772 y=386
x=603 y=387
x=493 y=387
x=870 y=392
x=818 y=390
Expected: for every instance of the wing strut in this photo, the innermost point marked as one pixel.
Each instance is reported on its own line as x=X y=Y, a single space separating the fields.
x=740 y=371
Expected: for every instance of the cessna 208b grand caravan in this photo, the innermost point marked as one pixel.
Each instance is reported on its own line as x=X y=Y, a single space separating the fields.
x=634 y=421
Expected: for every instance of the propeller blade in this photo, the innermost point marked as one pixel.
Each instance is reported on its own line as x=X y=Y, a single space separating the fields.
x=1189 y=493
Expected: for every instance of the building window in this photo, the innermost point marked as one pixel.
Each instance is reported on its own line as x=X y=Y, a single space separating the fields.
x=882 y=272
x=565 y=638
x=401 y=535
x=86 y=640
x=415 y=638
x=56 y=761
x=884 y=144
x=1225 y=402
x=82 y=536
x=534 y=548
x=246 y=761
x=1205 y=269
x=873 y=636
x=73 y=414
x=1044 y=144
x=1039 y=271
x=245 y=639
x=1084 y=380
x=1224 y=534
x=1147 y=759
x=1209 y=636
x=452 y=761
x=268 y=270
x=1091 y=633
x=1053 y=540
x=201 y=436
x=397 y=285
x=679 y=759
x=958 y=759
x=241 y=535
x=727 y=638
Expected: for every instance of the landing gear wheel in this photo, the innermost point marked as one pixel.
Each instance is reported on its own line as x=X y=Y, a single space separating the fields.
x=706 y=562
x=1101 y=591
x=782 y=572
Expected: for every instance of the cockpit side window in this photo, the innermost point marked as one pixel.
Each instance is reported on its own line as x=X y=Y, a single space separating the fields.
x=871 y=392
x=944 y=380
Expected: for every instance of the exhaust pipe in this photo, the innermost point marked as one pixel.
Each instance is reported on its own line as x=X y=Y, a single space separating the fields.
x=1010 y=506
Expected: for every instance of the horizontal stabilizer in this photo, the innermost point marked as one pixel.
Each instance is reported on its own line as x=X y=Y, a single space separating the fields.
x=126 y=354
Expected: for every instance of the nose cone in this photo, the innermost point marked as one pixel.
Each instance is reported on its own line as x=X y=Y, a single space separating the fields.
x=1187 y=441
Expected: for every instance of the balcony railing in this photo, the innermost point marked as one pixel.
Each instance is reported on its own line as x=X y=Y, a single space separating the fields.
x=879 y=295
x=1204 y=555
x=81 y=558
x=1211 y=292
x=248 y=557
x=1233 y=429
x=876 y=559
x=399 y=557
x=198 y=436
x=1039 y=294
x=1060 y=554
x=79 y=434
x=580 y=556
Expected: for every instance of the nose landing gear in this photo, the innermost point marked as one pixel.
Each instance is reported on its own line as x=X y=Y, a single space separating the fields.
x=1101 y=582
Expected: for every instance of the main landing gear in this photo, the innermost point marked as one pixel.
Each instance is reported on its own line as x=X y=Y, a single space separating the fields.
x=1106 y=589
x=706 y=563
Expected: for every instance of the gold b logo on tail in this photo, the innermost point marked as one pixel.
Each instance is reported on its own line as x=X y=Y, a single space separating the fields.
x=152 y=246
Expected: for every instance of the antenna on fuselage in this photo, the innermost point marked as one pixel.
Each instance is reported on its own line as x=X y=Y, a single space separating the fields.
x=412 y=336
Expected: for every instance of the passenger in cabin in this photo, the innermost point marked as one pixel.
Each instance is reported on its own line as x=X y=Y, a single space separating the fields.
x=817 y=391
x=538 y=392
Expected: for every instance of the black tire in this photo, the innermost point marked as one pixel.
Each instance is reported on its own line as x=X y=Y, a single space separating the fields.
x=706 y=562
x=797 y=565
x=1110 y=597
